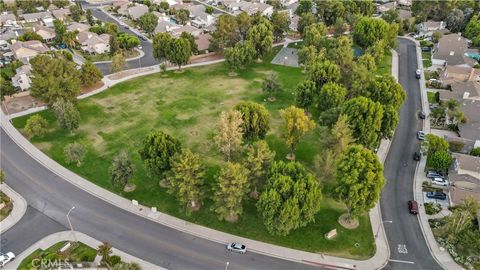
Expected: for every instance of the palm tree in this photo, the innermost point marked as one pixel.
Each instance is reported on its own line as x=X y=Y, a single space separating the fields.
x=70 y=38
x=105 y=250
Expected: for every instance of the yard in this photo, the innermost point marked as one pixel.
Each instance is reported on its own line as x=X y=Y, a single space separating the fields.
x=78 y=252
x=187 y=105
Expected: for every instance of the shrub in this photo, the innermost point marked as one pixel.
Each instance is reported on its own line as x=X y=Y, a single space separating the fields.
x=114 y=260
x=455 y=146
x=475 y=152
x=36 y=126
x=74 y=152
x=432 y=208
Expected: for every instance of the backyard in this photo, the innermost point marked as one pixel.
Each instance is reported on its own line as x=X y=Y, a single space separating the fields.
x=187 y=105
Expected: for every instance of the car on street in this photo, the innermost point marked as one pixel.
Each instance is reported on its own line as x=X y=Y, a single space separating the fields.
x=436 y=195
x=439 y=181
x=6 y=258
x=237 y=247
x=418 y=74
x=413 y=207
x=421 y=135
x=432 y=174
x=142 y=38
x=416 y=156
x=422 y=115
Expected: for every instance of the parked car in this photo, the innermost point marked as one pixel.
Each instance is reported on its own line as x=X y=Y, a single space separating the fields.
x=417 y=156
x=6 y=258
x=237 y=247
x=422 y=115
x=436 y=195
x=439 y=181
x=418 y=74
x=426 y=49
x=432 y=174
x=421 y=135
x=413 y=207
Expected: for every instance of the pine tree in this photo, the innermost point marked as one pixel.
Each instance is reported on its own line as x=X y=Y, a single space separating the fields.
x=229 y=134
x=258 y=161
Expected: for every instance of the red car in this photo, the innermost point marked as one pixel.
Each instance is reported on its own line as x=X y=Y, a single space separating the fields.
x=413 y=207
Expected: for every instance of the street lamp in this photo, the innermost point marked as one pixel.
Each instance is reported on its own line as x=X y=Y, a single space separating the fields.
x=378 y=229
x=70 y=223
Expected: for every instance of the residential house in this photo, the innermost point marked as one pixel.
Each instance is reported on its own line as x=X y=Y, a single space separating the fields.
x=294 y=22
x=426 y=29
x=8 y=19
x=137 y=11
x=80 y=27
x=254 y=7
x=450 y=50
x=176 y=32
x=404 y=3
x=382 y=8
x=198 y=17
x=48 y=34
x=464 y=175
x=203 y=42
x=21 y=81
x=93 y=43
x=165 y=26
x=61 y=14
x=45 y=17
x=26 y=50
x=453 y=74
x=8 y=33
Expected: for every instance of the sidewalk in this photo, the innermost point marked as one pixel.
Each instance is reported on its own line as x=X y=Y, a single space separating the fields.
x=19 y=208
x=52 y=239
x=439 y=254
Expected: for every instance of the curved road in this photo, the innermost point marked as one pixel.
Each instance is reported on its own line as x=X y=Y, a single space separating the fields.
x=407 y=245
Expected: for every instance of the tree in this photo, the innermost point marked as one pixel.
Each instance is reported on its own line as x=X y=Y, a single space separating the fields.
x=76 y=12
x=261 y=37
x=270 y=85
x=330 y=11
x=111 y=28
x=90 y=74
x=296 y=125
x=323 y=72
x=114 y=45
x=104 y=250
x=291 y=198
x=390 y=121
x=191 y=40
x=229 y=134
x=90 y=18
x=307 y=55
x=229 y=191
x=30 y=35
x=179 y=52
x=434 y=143
x=462 y=217
x=67 y=114
x=74 y=152
x=2 y=176
x=331 y=95
x=182 y=16
x=70 y=38
x=341 y=52
x=365 y=119
x=157 y=150
x=161 y=44
x=281 y=24
x=255 y=120
x=244 y=22
x=377 y=50
x=36 y=126
x=127 y=41
x=305 y=94
x=455 y=20
x=118 y=62
x=341 y=136
x=305 y=20
x=7 y=88
x=60 y=3
x=367 y=31
x=361 y=76
x=315 y=35
x=360 y=180
x=121 y=170
x=209 y=10
x=164 y=6
x=439 y=160
x=475 y=152
x=234 y=58
x=148 y=22
x=436 y=36
x=391 y=16
x=304 y=6
x=472 y=30
x=187 y=180
x=226 y=33
x=60 y=30
x=258 y=161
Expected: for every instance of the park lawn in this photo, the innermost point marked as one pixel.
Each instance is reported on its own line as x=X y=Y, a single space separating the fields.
x=187 y=105
x=79 y=252
x=8 y=206
x=385 y=67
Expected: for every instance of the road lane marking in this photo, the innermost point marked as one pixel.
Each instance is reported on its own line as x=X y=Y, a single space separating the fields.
x=400 y=261
x=402 y=249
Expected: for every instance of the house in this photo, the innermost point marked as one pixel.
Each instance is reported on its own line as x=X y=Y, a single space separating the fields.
x=165 y=26
x=80 y=27
x=93 y=43
x=8 y=19
x=35 y=17
x=464 y=175
x=21 y=81
x=252 y=8
x=47 y=34
x=8 y=33
x=61 y=14
x=404 y=3
x=450 y=50
x=199 y=18
x=453 y=74
x=26 y=50
x=386 y=7
x=426 y=29
x=294 y=22
x=137 y=11
x=203 y=42
x=176 y=32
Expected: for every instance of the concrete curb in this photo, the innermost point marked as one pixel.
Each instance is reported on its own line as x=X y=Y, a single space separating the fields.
x=19 y=208
x=443 y=258
x=52 y=239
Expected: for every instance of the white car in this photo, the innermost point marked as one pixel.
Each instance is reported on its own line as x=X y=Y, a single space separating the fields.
x=6 y=258
x=439 y=181
x=237 y=247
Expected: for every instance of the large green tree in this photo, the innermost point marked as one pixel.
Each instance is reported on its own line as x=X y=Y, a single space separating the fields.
x=472 y=30
x=161 y=44
x=315 y=35
x=36 y=126
x=305 y=20
x=127 y=41
x=90 y=74
x=157 y=150
x=148 y=22
x=60 y=30
x=255 y=119
x=365 y=118
x=434 y=143
x=322 y=72
x=229 y=191
x=258 y=161
x=179 y=52
x=121 y=169
x=281 y=24
x=359 y=179
x=367 y=31
x=290 y=200
x=305 y=94
x=296 y=125
x=261 y=37
x=226 y=33
x=390 y=121
x=331 y=95
x=439 y=160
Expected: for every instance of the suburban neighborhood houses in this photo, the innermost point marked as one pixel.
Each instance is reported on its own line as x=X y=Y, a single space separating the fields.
x=240 y=134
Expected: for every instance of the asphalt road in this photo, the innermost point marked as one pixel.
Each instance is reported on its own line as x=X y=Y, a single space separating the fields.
x=408 y=249
x=50 y=197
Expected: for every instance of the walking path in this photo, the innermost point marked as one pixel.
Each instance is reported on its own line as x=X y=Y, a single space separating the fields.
x=19 y=208
x=439 y=254
x=52 y=239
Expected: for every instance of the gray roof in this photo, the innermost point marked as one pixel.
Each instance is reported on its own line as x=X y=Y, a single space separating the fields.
x=467 y=162
x=7 y=17
x=451 y=48
x=137 y=11
x=35 y=16
x=471 y=129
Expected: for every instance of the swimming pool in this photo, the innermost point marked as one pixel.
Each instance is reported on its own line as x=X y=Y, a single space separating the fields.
x=472 y=55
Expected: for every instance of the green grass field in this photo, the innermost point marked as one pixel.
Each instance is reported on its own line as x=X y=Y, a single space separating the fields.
x=187 y=105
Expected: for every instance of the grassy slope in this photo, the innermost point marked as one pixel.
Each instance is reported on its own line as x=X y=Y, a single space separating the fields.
x=187 y=106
